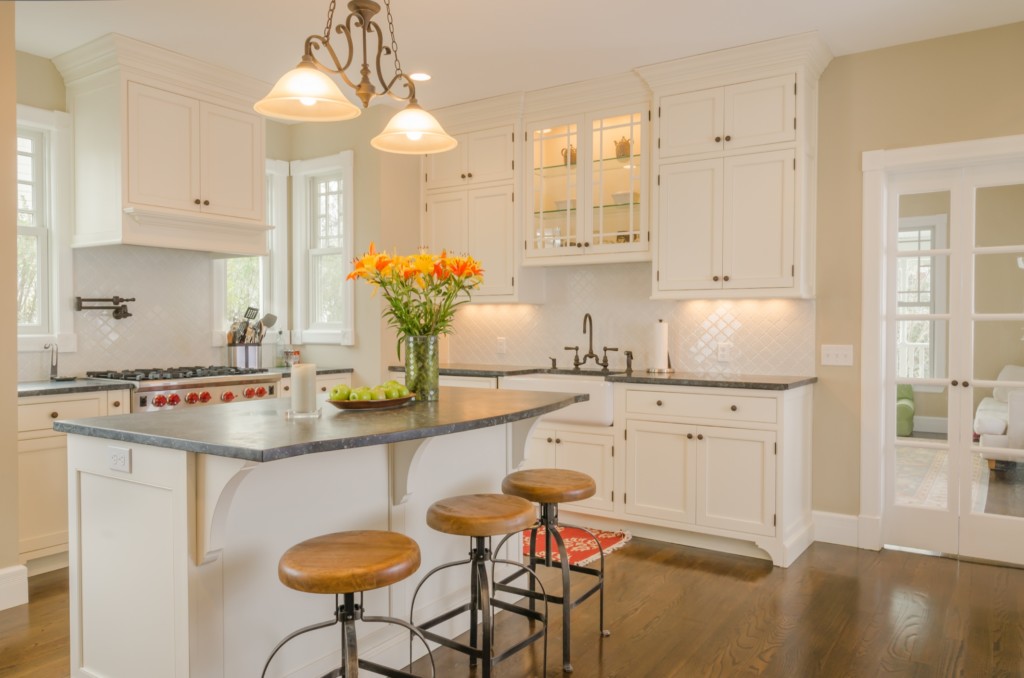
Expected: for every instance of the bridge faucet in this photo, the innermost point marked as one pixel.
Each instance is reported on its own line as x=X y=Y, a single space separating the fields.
x=54 y=356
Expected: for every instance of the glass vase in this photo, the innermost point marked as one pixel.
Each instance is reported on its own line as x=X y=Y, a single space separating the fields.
x=421 y=366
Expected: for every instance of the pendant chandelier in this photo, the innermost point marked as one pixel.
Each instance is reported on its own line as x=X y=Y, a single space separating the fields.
x=307 y=93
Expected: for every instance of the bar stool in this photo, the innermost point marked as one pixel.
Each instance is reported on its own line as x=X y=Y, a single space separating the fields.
x=549 y=487
x=347 y=563
x=481 y=516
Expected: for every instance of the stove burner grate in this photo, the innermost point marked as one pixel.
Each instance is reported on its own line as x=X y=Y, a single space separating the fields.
x=155 y=373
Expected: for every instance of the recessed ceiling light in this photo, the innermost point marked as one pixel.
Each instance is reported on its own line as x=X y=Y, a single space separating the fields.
x=420 y=77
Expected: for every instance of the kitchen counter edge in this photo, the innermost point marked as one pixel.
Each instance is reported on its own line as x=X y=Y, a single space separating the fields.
x=48 y=388
x=286 y=372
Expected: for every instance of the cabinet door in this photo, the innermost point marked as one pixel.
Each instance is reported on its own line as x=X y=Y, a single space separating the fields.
x=540 y=448
x=690 y=226
x=554 y=227
x=448 y=169
x=42 y=496
x=588 y=453
x=661 y=471
x=489 y=237
x=232 y=168
x=489 y=155
x=692 y=122
x=760 y=112
x=759 y=220
x=617 y=218
x=445 y=223
x=736 y=472
x=163 y=149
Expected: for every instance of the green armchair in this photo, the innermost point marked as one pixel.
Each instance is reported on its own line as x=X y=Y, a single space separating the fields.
x=904 y=410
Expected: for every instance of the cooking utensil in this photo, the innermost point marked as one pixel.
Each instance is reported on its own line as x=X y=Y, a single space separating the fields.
x=250 y=313
x=268 y=320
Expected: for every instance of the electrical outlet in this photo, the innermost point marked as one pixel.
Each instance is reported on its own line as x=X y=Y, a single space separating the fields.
x=119 y=459
x=837 y=354
x=724 y=351
x=501 y=346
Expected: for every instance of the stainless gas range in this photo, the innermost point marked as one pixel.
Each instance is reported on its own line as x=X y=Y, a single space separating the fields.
x=162 y=389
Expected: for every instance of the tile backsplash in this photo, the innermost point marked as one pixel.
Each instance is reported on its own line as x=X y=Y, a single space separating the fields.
x=171 y=315
x=768 y=336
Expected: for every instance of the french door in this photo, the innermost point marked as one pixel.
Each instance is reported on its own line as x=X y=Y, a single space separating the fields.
x=954 y=330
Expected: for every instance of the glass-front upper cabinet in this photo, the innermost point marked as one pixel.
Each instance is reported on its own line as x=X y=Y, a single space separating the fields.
x=587 y=192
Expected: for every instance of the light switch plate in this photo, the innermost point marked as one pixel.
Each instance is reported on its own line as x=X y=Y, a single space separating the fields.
x=837 y=354
x=724 y=351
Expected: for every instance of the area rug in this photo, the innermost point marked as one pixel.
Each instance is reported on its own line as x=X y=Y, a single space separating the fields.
x=580 y=548
x=921 y=478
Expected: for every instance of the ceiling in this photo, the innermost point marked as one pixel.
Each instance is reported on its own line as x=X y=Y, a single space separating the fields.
x=480 y=48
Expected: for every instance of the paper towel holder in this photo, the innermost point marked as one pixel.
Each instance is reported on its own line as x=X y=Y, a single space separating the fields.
x=668 y=361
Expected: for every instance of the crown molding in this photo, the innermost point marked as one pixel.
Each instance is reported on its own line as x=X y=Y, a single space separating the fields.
x=624 y=89
x=481 y=114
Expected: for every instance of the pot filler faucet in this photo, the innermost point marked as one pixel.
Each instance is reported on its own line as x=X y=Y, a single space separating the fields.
x=577 y=362
x=54 y=356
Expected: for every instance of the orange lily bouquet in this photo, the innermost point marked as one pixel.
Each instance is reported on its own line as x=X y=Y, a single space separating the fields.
x=422 y=290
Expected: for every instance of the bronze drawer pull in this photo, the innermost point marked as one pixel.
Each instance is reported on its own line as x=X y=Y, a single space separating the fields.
x=54 y=415
x=658 y=403
x=117 y=403
x=733 y=408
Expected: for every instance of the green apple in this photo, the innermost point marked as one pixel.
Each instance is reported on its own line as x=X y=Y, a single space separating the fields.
x=379 y=394
x=341 y=392
x=402 y=391
x=391 y=392
x=366 y=395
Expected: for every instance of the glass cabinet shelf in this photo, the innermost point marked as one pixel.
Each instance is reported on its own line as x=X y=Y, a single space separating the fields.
x=606 y=164
x=610 y=206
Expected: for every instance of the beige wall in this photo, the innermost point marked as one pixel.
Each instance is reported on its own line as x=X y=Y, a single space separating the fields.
x=949 y=89
x=278 y=141
x=386 y=213
x=39 y=83
x=8 y=335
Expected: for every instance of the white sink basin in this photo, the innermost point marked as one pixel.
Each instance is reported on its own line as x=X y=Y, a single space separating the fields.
x=596 y=411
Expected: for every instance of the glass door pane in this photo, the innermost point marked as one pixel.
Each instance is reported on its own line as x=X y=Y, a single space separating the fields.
x=555 y=219
x=615 y=198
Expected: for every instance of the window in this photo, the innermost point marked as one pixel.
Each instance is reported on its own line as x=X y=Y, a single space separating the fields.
x=921 y=290
x=262 y=282
x=322 y=196
x=44 y=216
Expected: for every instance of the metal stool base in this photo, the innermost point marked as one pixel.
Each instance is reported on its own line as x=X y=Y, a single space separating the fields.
x=549 y=521
x=482 y=601
x=347 y=613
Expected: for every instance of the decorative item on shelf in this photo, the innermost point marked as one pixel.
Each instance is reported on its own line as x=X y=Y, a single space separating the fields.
x=307 y=94
x=623 y=148
x=422 y=290
x=118 y=304
x=569 y=155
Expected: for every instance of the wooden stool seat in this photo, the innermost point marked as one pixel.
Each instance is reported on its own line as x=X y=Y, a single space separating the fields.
x=549 y=485
x=349 y=562
x=481 y=515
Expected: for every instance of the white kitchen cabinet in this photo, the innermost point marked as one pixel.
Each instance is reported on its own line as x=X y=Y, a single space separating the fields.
x=716 y=463
x=587 y=449
x=42 y=469
x=727 y=223
x=478 y=221
x=739 y=116
x=481 y=156
x=194 y=156
x=735 y=167
x=168 y=151
x=586 y=194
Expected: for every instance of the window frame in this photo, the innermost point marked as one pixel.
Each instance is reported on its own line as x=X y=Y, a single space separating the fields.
x=58 y=180
x=938 y=226
x=304 y=173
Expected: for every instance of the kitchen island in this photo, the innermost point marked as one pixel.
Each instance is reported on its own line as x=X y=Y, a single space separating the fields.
x=177 y=521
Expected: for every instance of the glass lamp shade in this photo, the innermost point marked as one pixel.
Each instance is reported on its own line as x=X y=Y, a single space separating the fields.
x=306 y=94
x=413 y=131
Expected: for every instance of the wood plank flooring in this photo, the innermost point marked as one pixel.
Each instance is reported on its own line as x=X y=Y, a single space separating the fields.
x=678 y=612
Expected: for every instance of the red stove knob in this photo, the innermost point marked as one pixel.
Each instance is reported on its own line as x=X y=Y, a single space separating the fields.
x=249 y=392
x=260 y=392
x=227 y=396
x=159 y=401
x=192 y=398
x=205 y=397
x=173 y=399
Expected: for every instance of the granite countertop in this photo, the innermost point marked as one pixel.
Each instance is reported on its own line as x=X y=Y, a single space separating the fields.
x=286 y=372
x=83 y=385
x=752 y=381
x=258 y=430
x=755 y=381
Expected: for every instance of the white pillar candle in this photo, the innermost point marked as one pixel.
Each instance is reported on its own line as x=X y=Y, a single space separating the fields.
x=304 y=387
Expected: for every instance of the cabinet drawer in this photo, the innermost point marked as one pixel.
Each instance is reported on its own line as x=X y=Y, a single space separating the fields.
x=36 y=416
x=702 y=406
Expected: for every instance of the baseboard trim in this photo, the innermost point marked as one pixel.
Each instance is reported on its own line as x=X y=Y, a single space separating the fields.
x=836 y=528
x=13 y=586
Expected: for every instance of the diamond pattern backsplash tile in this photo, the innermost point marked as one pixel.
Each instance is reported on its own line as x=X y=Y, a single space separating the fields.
x=171 y=315
x=769 y=336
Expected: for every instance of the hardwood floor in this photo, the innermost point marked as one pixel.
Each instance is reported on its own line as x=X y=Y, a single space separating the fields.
x=678 y=612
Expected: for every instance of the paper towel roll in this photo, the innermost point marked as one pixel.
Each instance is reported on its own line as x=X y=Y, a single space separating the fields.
x=659 y=349
x=304 y=387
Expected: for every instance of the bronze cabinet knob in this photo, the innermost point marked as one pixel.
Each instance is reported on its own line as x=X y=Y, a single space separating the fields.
x=728 y=137
x=469 y=174
x=955 y=382
x=558 y=441
x=700 y=436
x=690 y=436
x=550 y=440
x=287 y=388
x=197 y=201
x=715 y=278
x=54 y=415
x=206 y=202
x=966 y=384
x=734 y=408
x=117 y=403
x=658 y=403
x=726 y=278
x=718 y=139
x=323 y=388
